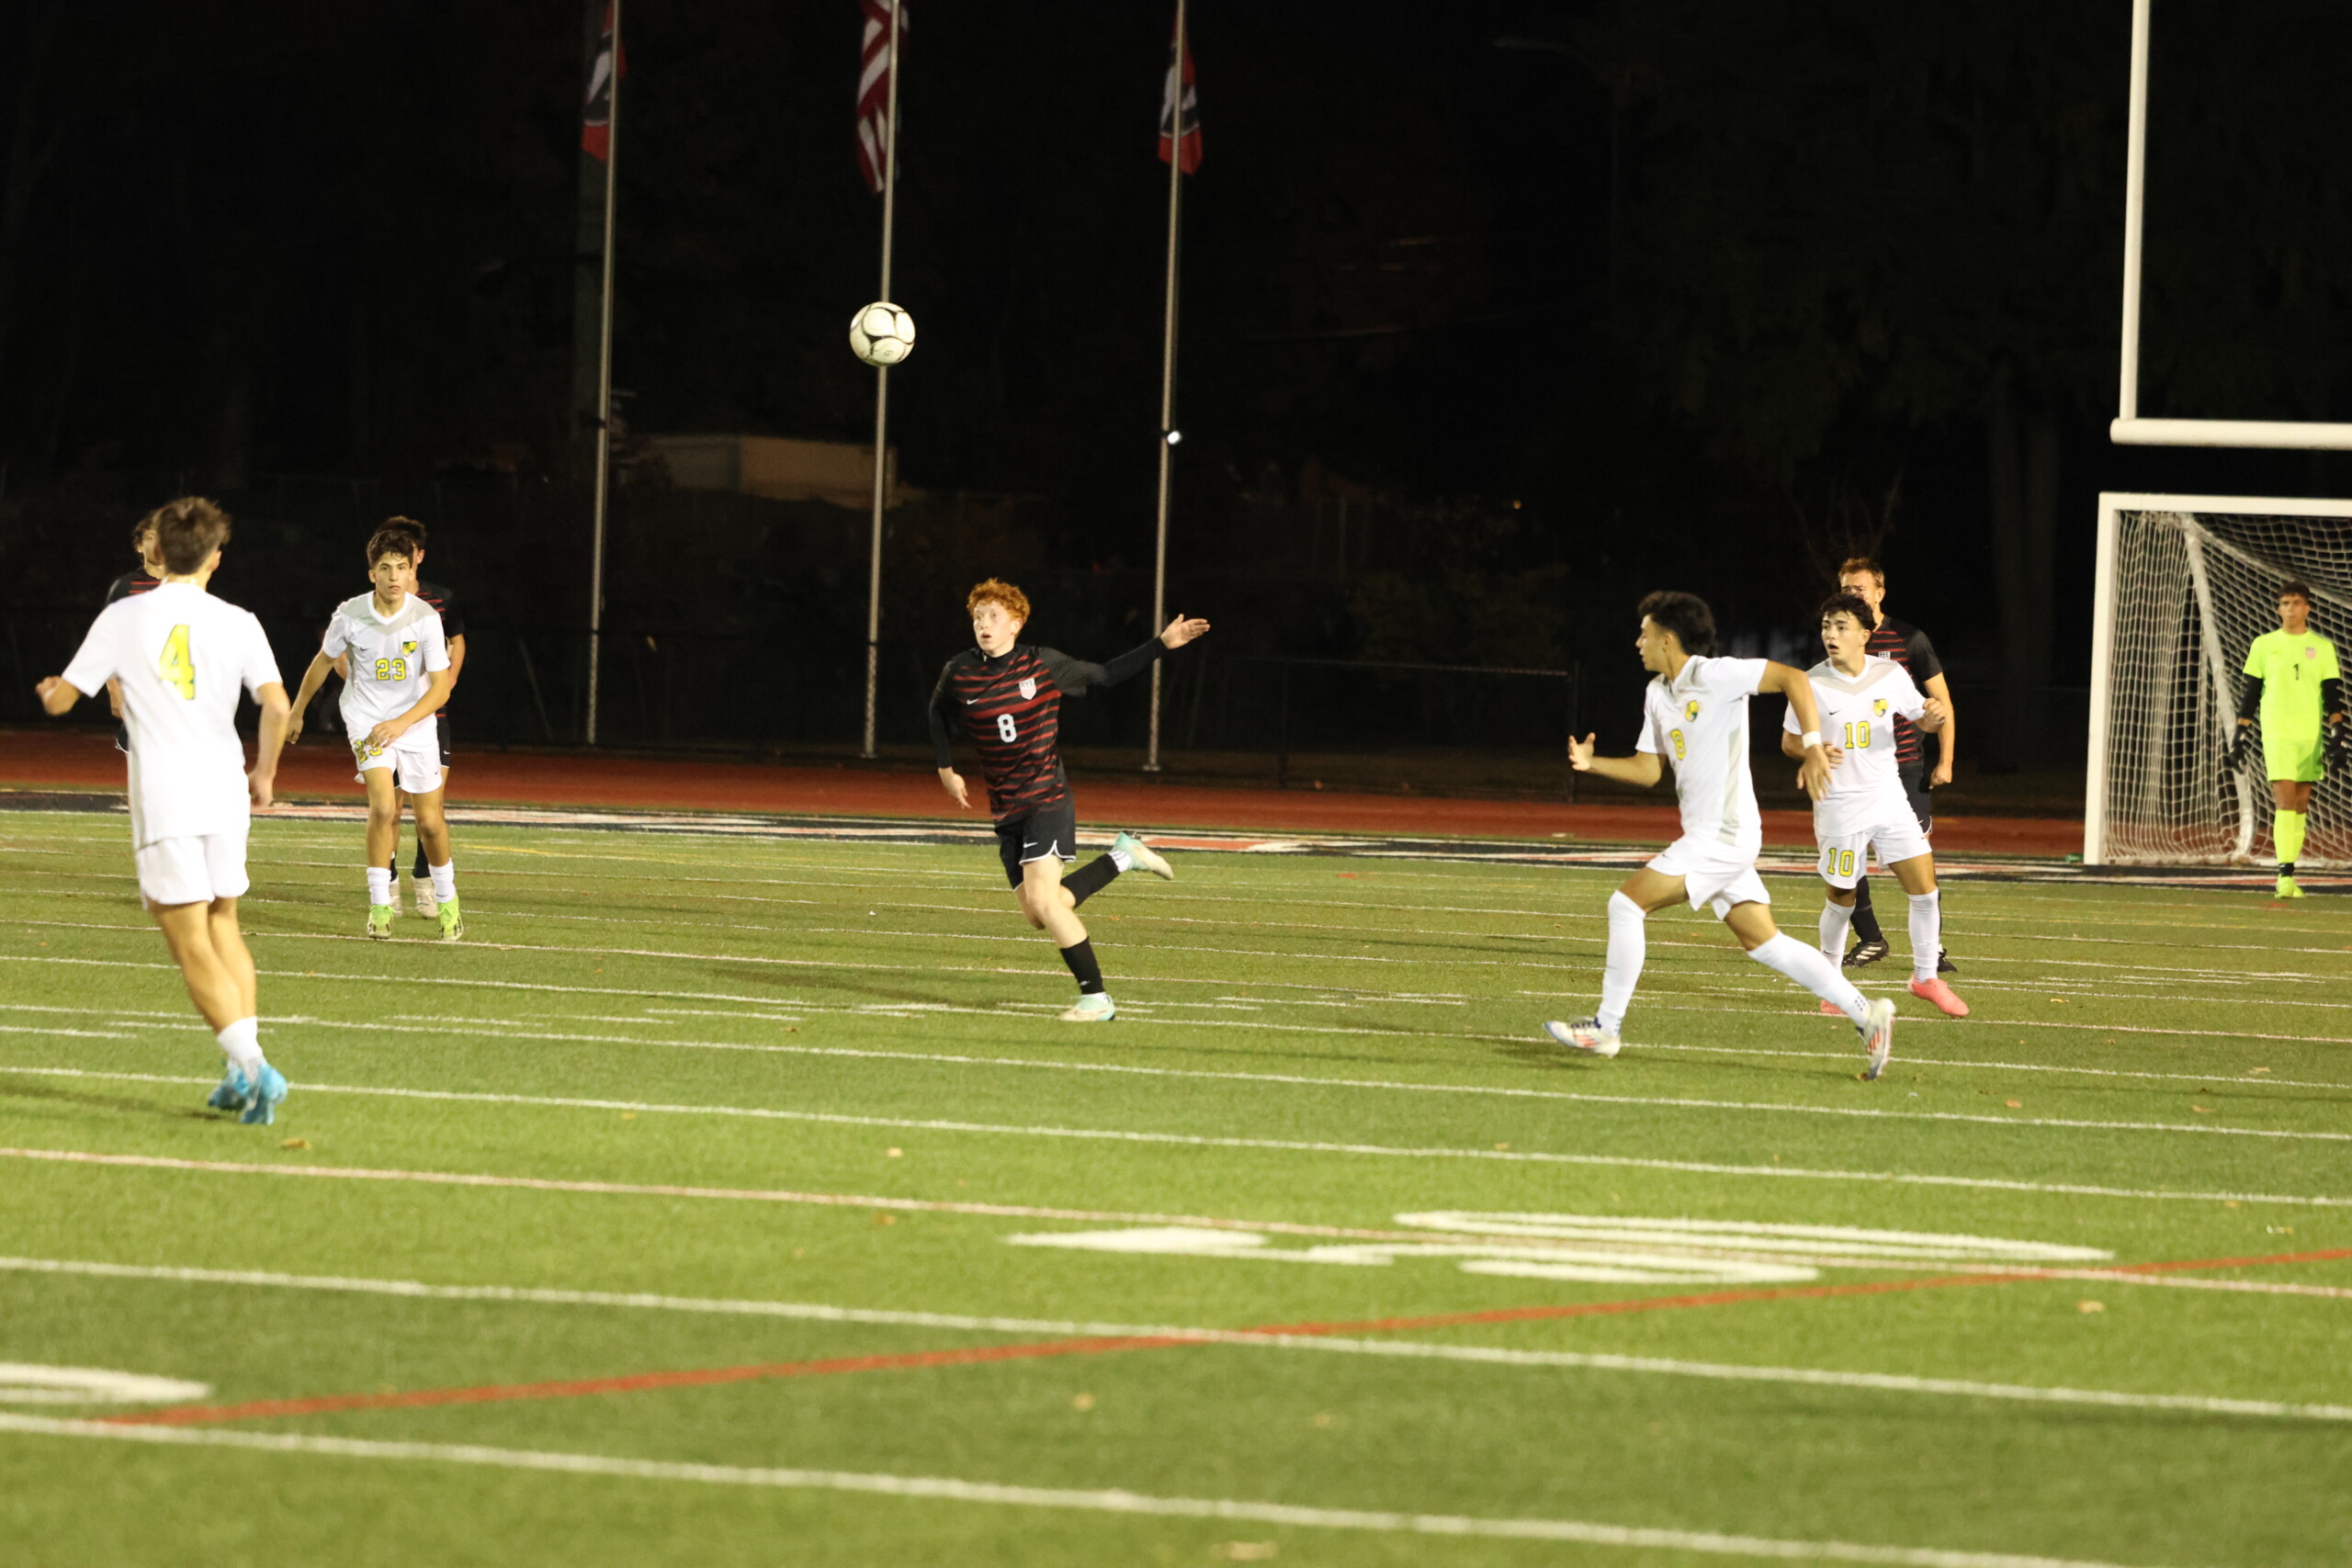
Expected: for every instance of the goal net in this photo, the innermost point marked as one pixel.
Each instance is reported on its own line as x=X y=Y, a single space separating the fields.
x=2186 y=583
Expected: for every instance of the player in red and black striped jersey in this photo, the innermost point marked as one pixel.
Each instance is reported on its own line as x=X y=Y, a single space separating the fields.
x=1907 y=646
x=129 y=585
x=1005 y=695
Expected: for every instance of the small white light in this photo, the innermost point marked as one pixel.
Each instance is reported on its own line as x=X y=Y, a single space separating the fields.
x=1174 y=437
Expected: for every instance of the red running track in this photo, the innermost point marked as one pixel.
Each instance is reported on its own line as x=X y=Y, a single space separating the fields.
x=77 y=759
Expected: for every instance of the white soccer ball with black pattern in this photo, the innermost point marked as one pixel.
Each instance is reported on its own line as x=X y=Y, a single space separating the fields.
x=882 y=333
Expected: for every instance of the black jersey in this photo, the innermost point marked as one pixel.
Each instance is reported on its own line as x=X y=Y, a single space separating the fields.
x=1009 y=708
x=453 y=626
x=131 y=583
x=1907 y=646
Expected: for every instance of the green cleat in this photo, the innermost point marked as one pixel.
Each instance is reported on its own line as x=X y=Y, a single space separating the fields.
x=453 y=920
x=379 y=922
x=2289 y=890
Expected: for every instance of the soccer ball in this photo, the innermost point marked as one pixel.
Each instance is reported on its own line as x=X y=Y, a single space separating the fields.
x=882 y=333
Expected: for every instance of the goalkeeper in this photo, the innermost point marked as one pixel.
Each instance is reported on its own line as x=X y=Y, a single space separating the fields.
x=2292 y=682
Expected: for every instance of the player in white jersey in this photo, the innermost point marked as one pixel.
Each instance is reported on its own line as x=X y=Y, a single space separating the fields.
x=1859 y=696
x=1696 y=713
x=180 y=658
x=390 y=641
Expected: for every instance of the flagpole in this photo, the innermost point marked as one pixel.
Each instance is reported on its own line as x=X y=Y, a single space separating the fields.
x=881 y=401
x=1167 y=388
x=603 y=390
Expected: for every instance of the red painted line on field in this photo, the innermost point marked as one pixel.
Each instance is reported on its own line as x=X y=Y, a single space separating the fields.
x=703 y=1376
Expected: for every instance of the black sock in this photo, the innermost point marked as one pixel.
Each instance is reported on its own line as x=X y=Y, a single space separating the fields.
x=420 y=871
x=1865 y=920
x=393 y=864
x=1081 y=959
x=1090 y=878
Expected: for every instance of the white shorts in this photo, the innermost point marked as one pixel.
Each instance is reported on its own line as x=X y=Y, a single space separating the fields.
x=1712 y=875
x=193 y=870
x=414 y=758
x=1845 y=857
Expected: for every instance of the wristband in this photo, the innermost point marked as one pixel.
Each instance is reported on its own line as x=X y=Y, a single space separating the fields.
x=1809 y=740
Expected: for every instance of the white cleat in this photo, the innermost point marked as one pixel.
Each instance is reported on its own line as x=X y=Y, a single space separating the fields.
x=1096 y=1008
x=1586 y=1035
x=1877 y=1029
x=1145 y=857
x=427 y=904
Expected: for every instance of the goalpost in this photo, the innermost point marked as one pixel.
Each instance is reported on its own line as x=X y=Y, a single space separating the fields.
x=2186 y=583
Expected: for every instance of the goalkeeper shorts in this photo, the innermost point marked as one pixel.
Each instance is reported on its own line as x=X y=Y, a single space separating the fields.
x=2296 y=761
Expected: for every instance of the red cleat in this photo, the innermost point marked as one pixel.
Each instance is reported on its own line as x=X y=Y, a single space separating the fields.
x=1933 y=989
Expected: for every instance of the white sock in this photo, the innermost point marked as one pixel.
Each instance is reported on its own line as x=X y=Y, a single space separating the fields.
x=1836 y=920
x=1628 y=945
x=240 y=1043
x=445 y=880
x=380 y=884
x=1814 y=971
x=1926 y=934
x=1121 y=859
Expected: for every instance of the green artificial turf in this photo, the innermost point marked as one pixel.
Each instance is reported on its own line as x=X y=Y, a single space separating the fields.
x=788 y=1062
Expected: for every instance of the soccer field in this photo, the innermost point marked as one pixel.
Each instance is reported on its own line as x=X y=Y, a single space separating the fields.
x=739 y=1199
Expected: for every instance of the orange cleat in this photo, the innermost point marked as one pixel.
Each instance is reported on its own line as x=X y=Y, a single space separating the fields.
x=1933 y=989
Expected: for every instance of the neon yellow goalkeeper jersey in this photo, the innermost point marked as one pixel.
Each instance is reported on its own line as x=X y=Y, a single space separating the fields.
x=2291 y=669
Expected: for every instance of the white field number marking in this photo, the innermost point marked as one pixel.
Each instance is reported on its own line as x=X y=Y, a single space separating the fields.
x=1596 y=1248
x=22 y=1382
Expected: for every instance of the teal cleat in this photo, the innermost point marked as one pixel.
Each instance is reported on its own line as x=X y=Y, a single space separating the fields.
x=1143 y=855
x=263 y=1097
x=1096 y=1008
x=230 y=1093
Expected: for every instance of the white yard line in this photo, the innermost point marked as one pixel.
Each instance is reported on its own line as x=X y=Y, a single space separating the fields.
x=455 y=1179
x=1401 y=1350
x=1100 y=1502
x=1196 y=1139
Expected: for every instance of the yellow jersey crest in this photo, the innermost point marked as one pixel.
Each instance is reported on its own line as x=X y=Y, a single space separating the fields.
x=407 y=647
x=1879 y=707
x=1691 y=710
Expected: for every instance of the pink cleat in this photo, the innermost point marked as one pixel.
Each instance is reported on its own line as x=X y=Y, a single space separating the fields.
x=1933 y=989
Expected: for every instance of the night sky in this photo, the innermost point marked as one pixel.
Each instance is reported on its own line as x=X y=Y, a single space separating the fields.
x=1707 y=290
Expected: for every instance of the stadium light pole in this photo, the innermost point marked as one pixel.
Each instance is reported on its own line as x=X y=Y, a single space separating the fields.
x=1167 y=436
x=603 y=393
x=881 y=401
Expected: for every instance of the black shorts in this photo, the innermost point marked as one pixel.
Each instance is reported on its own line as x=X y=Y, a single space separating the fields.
x=443 y=717
x=1915 y=787
x=1049 y=830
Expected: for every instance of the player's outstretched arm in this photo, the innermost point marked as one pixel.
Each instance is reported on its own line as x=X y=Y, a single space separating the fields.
x=1642 y=768
x=1812 y=775
x=321 y=666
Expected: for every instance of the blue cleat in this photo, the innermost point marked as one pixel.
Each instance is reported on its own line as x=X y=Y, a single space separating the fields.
x=230 y=1093
x=262 y=1098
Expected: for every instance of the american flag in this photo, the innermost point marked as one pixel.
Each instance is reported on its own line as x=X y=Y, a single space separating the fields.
x=596 y=112
x=875 y=66
x=1189 y=142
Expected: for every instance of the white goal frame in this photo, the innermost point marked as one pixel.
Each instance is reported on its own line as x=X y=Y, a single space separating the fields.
x=2129 y=429
x=2220 y=668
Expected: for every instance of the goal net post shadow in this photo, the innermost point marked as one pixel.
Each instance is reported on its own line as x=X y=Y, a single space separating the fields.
x=2185 y=584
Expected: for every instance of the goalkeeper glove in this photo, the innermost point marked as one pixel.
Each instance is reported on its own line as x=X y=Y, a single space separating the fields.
x=2339 y=742
x=2241 y=748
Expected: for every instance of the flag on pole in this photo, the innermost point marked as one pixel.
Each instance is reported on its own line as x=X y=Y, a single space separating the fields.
x=596 y=112
x=875 y=66
x=1181 y=125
